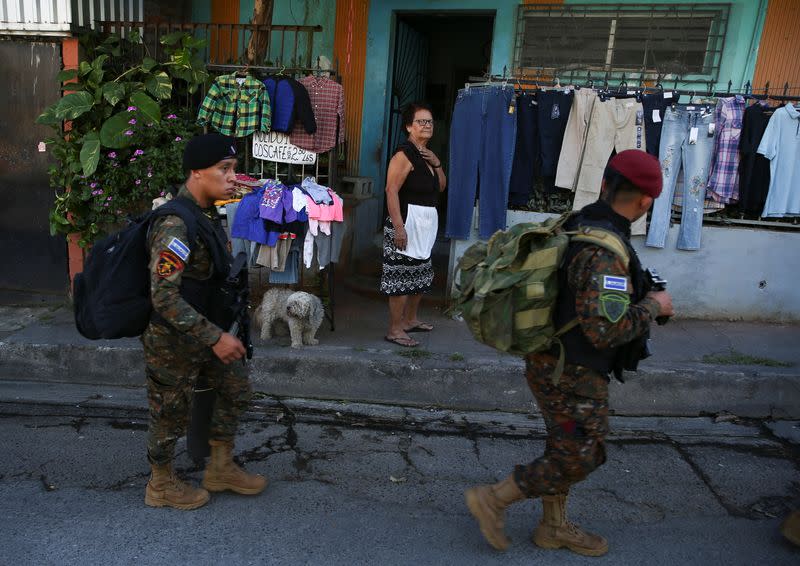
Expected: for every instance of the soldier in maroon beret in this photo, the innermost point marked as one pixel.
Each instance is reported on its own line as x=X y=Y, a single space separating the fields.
x=604 y=299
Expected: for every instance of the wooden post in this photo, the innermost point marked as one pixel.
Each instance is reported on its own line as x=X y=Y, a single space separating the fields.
x=259 y=39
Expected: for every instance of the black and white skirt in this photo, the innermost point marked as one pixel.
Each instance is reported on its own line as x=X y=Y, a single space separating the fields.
x=403 y=275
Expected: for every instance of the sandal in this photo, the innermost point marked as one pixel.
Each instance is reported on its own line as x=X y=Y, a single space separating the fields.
x=400 y=341
x=420 y=327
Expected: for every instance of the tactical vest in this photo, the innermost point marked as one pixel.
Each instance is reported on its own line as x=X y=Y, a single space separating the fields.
x=210 y=297
x=578 y=349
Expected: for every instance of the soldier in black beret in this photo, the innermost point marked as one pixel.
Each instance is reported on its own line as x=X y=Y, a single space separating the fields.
x=183 y=341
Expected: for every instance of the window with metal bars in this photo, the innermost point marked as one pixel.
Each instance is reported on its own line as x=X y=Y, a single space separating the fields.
x=641 y=41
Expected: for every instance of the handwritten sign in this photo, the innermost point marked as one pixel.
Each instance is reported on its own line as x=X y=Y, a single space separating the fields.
x=275 y=146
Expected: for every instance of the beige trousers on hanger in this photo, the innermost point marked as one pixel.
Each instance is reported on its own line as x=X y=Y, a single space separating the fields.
x=614 y=125
x=569 y=160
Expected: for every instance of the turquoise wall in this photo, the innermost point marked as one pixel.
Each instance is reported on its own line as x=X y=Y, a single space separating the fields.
x=289 y=12
x=745 y=23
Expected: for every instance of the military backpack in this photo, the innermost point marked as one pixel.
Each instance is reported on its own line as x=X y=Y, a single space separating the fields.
x=506 y=288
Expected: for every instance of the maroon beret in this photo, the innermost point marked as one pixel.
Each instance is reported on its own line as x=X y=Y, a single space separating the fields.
x=640 y=168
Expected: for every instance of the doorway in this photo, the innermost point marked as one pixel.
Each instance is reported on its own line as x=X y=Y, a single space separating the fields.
x=435 y=53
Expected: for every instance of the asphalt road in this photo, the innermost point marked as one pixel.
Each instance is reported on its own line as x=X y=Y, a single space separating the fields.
x=374 y=490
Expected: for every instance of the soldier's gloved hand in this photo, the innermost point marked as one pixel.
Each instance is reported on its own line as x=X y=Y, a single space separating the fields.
x=664 y=299
x=228 y=348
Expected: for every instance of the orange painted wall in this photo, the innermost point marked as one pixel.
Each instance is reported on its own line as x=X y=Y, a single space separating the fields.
x=70 y=57
x=779 y=50
x=350 y=52
x=224 y=43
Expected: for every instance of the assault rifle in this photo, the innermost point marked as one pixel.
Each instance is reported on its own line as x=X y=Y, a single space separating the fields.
x=233 y=306
x=638 y=350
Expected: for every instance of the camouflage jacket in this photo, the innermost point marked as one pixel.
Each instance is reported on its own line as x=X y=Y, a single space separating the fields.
x=603 y=289
x=173 y=258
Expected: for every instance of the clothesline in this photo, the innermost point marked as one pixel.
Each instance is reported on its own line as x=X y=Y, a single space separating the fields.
x=623 y=89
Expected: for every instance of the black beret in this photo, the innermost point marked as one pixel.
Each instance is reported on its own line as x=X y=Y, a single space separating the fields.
x=206 y=150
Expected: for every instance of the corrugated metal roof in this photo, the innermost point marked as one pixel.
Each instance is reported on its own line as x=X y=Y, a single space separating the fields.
x=61 y=17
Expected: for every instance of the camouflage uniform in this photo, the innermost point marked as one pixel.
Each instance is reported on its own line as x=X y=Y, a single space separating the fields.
x=575 y=410
x=176 y=355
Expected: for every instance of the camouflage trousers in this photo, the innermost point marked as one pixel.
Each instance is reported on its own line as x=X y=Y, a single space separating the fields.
x=174 y=363
x=576 y=417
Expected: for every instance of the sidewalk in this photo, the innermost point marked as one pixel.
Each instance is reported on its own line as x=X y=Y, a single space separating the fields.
x=698 y=367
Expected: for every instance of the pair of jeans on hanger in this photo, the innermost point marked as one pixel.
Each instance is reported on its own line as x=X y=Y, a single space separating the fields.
x=482 y=137
x=687 y=138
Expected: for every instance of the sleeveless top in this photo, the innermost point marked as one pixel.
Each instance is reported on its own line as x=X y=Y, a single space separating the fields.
x=421 y=187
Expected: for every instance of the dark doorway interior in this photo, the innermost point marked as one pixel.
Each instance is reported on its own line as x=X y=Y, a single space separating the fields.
x=35 y=261
x=434 y=55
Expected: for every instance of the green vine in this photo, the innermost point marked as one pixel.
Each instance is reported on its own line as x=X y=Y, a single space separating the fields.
x=129 y=118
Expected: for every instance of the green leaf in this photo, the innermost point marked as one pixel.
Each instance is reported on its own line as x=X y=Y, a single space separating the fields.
x=48 y=117
x=113 y=92
x=84 y=68
x=134 y=36
x=90 y=153
x=98 y=63
x=112 y=133
x=159 y=85
x=172 y=38
x=74 y=105
x=67 y=75
x=148 y=63
x=147 y=106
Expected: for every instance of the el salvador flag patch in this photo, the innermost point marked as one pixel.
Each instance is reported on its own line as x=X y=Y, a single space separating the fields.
x=181 y=250
x=613 y=283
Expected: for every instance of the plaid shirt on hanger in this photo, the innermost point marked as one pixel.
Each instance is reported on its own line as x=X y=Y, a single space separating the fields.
x=327 y=101
x=235 y=109
x=723 y=183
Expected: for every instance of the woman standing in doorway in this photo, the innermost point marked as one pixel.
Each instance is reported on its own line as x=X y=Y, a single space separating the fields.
x=413 y=183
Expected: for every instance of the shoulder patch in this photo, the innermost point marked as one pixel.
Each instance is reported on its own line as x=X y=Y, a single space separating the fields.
x=168 y=264
x=615 y=283
x=614 y=306
x=181 y=250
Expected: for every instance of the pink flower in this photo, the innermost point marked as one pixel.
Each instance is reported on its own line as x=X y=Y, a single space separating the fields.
x=113 y=155
x=105 y=204
x=178 y=138
x=99 y=191
x=128 y=132
x=131 y=109
x=93 y=185
x=132 y=121
x=138 y=152
x=110 y=198
x=133 y=159
x=171 y=116
x=161 y=194
x=138 y=181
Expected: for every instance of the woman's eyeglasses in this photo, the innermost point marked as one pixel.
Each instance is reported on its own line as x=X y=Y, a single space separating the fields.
x=424 y=122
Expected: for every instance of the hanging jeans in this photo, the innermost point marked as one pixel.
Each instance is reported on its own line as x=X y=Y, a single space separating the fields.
x=654 y=106
x=482 y=137
x=527 y=161
x=554 y=111
x=616 y=124
x=687 y=138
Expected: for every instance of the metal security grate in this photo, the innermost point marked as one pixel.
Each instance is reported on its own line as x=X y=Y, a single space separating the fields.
x=622 y=41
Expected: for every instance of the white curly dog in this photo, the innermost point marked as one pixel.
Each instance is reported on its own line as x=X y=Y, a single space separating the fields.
x=302 y=311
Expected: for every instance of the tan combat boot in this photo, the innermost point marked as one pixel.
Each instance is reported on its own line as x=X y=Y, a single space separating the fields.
x=488 y=503
x=165 y=490
x=554 y=531
x=790 y=528
x=222 y=472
